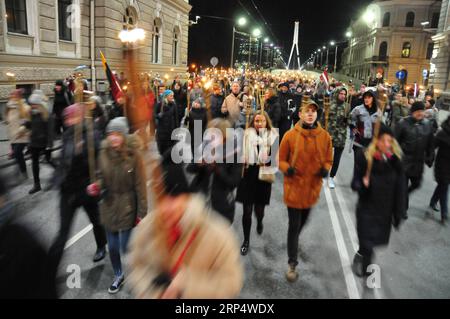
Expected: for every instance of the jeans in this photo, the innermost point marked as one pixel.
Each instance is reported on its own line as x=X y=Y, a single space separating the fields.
x=441 y=195
x=69 y=204
x=297 y=220
x=336 y=160
x=117 y=242
x=19 y=157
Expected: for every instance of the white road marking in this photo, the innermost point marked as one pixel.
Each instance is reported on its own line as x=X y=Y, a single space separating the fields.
x=78 y=236
x=350 y=280
x=351 y=229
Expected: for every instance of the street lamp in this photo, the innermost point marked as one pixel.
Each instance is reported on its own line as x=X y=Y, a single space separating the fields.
x=333 y=43
x=241 y=22
x=348 y=34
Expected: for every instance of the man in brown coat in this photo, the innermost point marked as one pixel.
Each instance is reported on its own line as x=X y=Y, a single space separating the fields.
x=306 y=157
x=232 y=105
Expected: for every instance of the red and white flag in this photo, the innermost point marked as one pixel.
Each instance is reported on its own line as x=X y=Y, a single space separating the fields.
x=324 y=77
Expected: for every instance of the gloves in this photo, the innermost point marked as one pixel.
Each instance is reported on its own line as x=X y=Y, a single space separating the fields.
x=323 y=173
x=290 y=172
x=93 y=190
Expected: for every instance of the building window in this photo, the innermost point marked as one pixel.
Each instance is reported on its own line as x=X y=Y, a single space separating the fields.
x=435 y=20
x=410 y=17
x=156 y=40
x=65 y=32
x=16 y=15
x=176 y=36
x=383 y=51
x=387 y=19
x=406 y=51
x=430 y=49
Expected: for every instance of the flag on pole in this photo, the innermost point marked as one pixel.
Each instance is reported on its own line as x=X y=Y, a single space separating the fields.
x=324 y=77
x=116 y=90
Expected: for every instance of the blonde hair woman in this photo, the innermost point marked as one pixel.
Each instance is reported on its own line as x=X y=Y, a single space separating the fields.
x=253 y=193
x=382 y=196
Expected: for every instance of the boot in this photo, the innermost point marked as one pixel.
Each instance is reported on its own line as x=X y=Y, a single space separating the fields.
x=357 y=265
x=244 y=248
x=292 y=274
x=260 y=227
x=35 y=189
x=99 y=254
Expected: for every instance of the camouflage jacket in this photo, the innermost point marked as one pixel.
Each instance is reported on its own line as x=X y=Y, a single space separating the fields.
x=338 y=122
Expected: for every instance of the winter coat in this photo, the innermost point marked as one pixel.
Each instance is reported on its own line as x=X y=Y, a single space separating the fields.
x=442 y=143
x=286 y=100
x=181 y=101
x=62 y=100
x=211 y=267
x=16 y=120
x=381 y=205
x=231 y=107
x=338 y=122
x=39 y=127
x=315 y=152
x=201 y=115
x=257 y=153
x=216 y=106
x=218 y=183
x=399 y=112
x=416 y=141
x=166 y=116
x=363 y=119
x=123 y=179
x=72 y=174
x=272 y=107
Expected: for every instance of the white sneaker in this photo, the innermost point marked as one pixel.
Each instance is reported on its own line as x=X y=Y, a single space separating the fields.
x=331 y=183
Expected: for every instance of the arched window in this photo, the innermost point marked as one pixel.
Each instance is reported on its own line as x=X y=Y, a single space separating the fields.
x=387 y=19
x=130 y=18
x=383 y=51
x=410 y=17
x=406 y=51
x=176 y=39
x=157 y=40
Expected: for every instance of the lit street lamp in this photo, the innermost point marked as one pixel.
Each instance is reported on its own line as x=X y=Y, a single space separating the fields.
x=241 y=22
x=333 y=43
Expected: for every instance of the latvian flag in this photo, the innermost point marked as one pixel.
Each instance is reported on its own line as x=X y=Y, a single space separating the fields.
x=324 y=77
x=116 y=90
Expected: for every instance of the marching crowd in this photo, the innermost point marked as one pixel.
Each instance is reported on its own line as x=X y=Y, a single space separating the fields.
x=298 y=125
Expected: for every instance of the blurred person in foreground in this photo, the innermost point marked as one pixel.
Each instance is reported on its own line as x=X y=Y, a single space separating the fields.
x=23 y=258
x=182 y=250
x=382 y=196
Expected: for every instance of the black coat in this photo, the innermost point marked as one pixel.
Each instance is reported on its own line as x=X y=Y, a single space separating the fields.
x=283 y=100
x=383 y=204
x=197 y=115
x=216 y=106
x=62 y=100
x=272 y=107
x=39 y=128
x=181 y=100
x=72 y=174
x=252 y=190
x=166 y=117
x=442 y=165
x=225 y=179
x=416 y=141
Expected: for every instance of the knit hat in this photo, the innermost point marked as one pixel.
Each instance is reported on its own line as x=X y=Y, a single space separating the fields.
x=384 y=129
x=36 y=98
x=120 y=125
x=417 y=106
x=72 y=110
x=285 y=84
x=167 y=93
x=59 y=82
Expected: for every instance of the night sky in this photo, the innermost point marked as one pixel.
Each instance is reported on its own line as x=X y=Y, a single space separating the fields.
x=320 y=22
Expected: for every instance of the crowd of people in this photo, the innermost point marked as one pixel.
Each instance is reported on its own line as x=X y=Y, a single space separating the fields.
x=292 y=123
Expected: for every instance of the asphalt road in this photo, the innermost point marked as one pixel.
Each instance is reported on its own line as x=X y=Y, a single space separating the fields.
x=414 y=265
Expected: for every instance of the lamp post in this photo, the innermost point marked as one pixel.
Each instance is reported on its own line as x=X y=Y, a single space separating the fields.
x=333 y=43
x=256 y=34
x=349 y=35
x=241 y=22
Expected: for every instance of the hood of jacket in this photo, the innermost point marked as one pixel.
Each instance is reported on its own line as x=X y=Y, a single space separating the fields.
x=336 y=94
